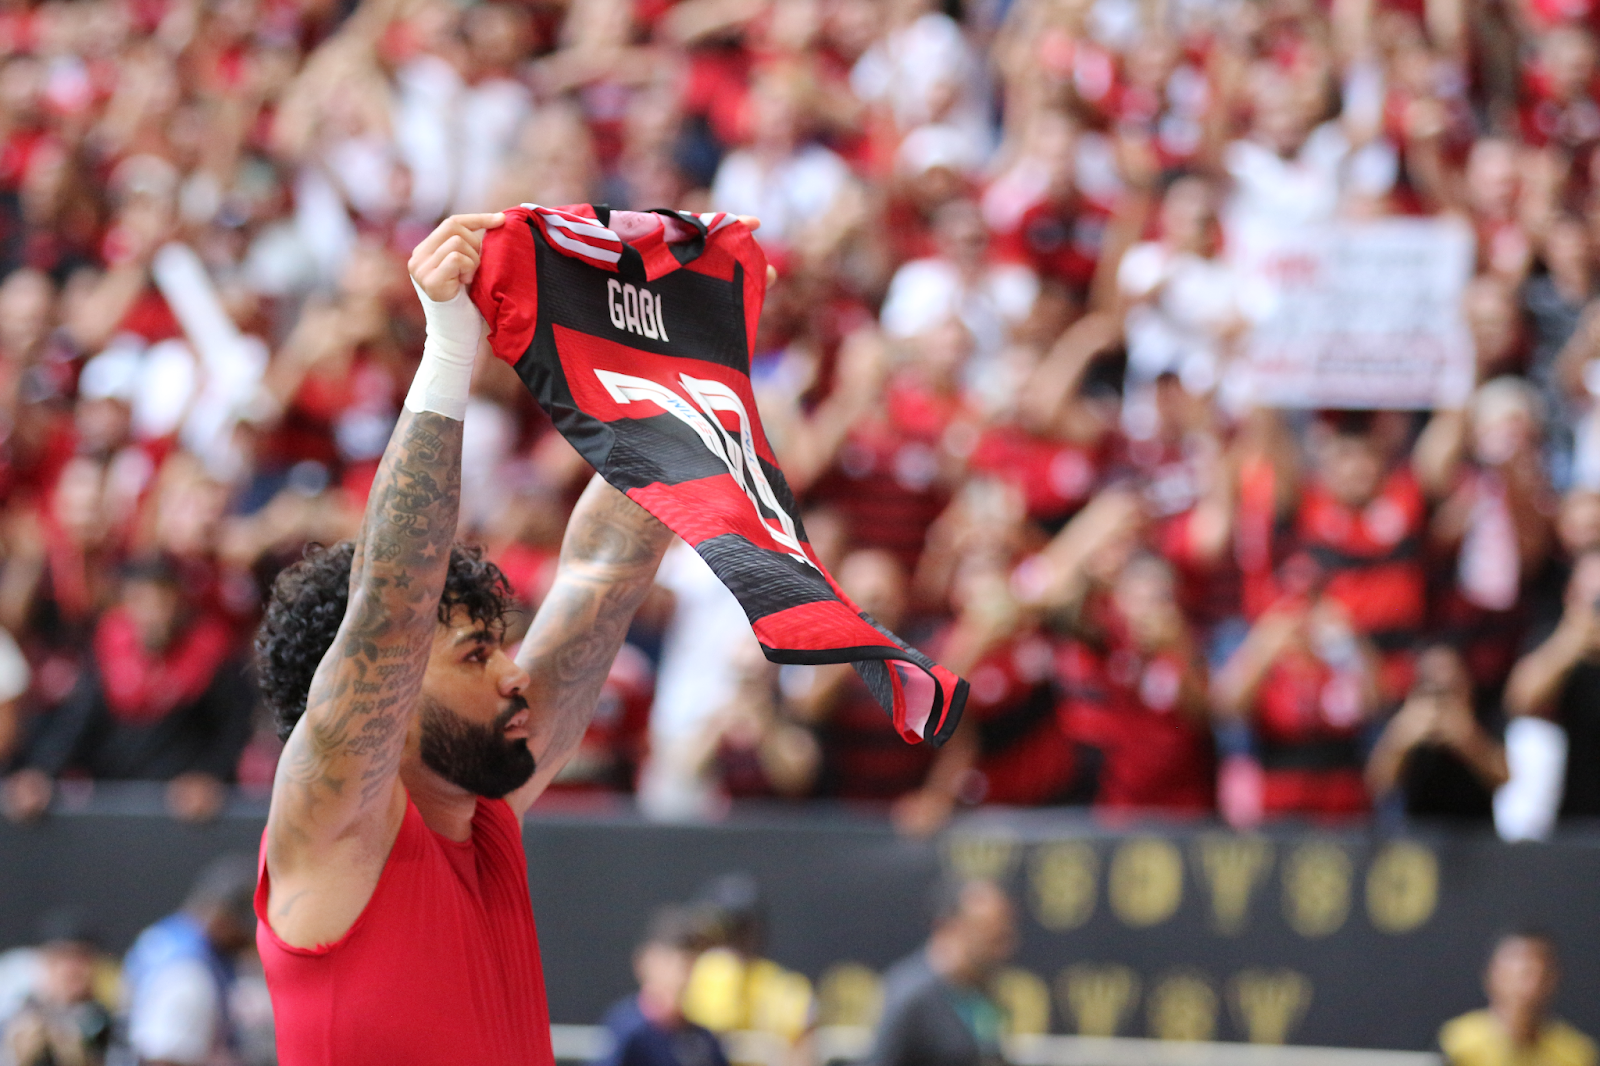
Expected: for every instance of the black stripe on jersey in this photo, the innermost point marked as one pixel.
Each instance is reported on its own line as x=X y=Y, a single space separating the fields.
x=662 y=449
x=874 y=673
x=704 y=316
x=658 y=448
x=764 y=581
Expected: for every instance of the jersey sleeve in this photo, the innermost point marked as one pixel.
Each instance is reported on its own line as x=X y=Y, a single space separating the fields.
x=506 y=287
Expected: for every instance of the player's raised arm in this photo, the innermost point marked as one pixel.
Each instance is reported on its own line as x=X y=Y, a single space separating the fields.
x=608 y=562
x=336 y=794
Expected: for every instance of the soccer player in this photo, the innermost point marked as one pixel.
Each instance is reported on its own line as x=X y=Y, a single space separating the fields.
x=395 y=922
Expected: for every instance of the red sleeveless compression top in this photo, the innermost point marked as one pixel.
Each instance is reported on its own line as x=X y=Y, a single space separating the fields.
x=441 y=968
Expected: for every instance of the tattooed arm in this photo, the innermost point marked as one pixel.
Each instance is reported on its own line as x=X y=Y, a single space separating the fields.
x=341 y=760
x=608 y=561
x=337 y=802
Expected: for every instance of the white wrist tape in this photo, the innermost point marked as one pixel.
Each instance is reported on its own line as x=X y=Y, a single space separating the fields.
x=444 y=379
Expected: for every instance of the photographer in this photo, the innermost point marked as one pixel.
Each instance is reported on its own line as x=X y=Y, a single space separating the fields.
x=1436 y=756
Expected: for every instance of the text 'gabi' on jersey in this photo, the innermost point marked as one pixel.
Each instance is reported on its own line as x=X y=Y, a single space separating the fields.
x=635 y=309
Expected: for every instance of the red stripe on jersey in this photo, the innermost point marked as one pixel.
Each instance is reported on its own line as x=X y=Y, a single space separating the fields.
x=709 y=507
x=580 y=236
x=506 y=286
x=824 y=624
x=833 y=625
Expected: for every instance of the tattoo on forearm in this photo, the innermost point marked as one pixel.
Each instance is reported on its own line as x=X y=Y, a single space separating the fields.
x=613 y=536
x=357 y=714
x=608 y=562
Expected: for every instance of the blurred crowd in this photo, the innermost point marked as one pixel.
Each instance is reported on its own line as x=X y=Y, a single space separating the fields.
x=1002 y=369
x=188 y=992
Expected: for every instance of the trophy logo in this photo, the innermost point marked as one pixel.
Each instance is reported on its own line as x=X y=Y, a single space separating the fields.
x=1024 y=999
x=1182 y=1006
x=1146 y=882
x=1268 y=1004
x=1062 y=880
x=1232 y=866
x=1402 y=887
x=1316 y=889
x=1097 y=998
x=985 y=856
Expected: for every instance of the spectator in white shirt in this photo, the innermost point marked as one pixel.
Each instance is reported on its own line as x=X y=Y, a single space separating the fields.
x=697 y=677
x=989 y=299
x=779 y=177
x=923 y=70
x=1182 y=302
x=1292 y=171
x=15 y=677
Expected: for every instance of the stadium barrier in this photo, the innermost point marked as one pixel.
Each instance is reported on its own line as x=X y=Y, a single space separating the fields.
x=1186 y=932
x=840 y=1044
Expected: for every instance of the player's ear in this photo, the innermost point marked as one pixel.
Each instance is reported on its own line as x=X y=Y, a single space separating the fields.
x=772 y=275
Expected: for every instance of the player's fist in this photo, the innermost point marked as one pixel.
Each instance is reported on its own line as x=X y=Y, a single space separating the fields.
x=447 y=258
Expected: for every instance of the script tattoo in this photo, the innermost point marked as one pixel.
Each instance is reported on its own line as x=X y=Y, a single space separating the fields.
x=361 y=700
x=608 y=562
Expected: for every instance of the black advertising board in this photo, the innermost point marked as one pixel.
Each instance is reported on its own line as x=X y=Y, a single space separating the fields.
x=1353 y=939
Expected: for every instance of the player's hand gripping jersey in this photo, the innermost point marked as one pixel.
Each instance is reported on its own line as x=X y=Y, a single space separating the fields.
x=639 y=350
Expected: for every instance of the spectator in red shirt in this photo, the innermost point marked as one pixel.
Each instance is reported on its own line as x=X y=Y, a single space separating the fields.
x=1135 y=692
x=893 y=470
x=1061 y=231
x=1558 y=103
x=1360 y=518
x=1306 y=684
x=1009 y=748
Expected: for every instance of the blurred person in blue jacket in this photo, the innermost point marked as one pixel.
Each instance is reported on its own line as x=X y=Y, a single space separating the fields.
x=649 y=1029
x=178 y=977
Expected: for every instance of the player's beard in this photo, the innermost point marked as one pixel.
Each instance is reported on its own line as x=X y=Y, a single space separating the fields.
x=478 y=758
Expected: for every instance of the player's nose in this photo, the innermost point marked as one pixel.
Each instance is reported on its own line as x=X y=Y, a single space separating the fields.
x=513 y=679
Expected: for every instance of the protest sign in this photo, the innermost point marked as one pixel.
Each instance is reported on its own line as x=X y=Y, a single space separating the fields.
x=1359 y=315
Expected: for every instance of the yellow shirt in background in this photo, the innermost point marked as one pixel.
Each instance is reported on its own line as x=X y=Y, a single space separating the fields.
x=727 y=993
x=1477 y=1039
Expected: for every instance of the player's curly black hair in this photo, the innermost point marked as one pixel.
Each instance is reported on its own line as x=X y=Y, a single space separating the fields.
x=308 y=603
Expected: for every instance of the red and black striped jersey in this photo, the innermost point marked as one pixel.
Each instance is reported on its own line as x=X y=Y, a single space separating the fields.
x=639 y=350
